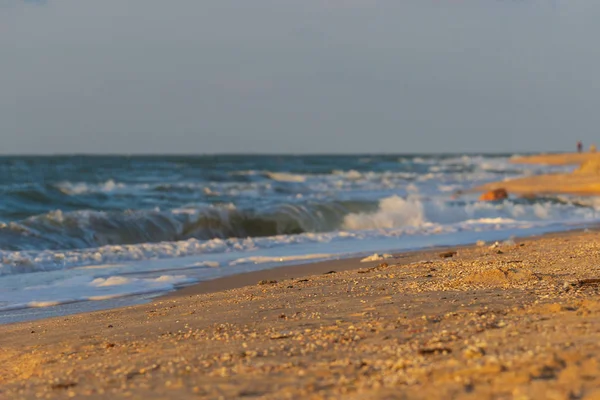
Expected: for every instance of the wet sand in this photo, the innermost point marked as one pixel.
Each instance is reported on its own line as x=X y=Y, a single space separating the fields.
x=521 y=320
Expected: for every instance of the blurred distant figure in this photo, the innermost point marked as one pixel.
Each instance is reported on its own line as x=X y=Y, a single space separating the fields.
x=593 y=148
x=579 y=146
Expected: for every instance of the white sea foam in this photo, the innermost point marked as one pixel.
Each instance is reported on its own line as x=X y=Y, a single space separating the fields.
x=488 y=221
x=75 y=188
x=282 y=259
x=111 y=281
x=376 y=257
x=204 y=264
x=286 y=177
x=351 y=174
x=393 y=212
x=83 y=288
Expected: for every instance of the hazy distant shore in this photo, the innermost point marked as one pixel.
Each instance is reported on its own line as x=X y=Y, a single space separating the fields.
x=515 y=319
x=556 y=158
x=583 y=181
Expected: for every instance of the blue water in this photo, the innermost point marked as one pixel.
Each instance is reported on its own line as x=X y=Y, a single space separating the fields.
x=83 y=228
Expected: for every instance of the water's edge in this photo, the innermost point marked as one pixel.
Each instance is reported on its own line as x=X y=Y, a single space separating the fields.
x=241 y=279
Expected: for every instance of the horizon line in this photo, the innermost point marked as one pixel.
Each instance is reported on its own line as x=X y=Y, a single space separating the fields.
x=221 y=154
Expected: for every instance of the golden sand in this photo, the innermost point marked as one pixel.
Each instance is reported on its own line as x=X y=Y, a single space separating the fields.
x=574 y=184
x=557 y=158
x=585 y=180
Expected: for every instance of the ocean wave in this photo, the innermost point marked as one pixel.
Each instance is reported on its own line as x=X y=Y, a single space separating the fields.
x=78 y=188
x=418 y=211
x=245 y=184
x=216 y=254
x=393 y=212
x=84 y=229
x=22 y=262
x=286 y=177
x=59 y=230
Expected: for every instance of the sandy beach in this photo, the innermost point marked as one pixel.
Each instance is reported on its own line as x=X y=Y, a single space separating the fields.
x=583 y=181
x=517 y=320
x=572 y=184
x=557 y=158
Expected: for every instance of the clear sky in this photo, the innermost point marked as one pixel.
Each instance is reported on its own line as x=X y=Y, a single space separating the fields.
x=298 y=76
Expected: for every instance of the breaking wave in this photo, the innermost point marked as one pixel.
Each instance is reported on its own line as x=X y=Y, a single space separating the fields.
x=85 y=229
x=59 y=230
x=392 y=212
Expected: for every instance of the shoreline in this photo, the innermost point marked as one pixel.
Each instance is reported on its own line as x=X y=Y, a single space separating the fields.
x=287 y=272
x=487 y=322
x=243 y=279
x=223 y=283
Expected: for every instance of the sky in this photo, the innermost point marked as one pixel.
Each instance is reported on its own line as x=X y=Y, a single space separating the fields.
x=291 y=76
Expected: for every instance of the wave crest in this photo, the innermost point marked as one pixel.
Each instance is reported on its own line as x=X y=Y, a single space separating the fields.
x=393 y=212
x=58 y=230
x=86 y=229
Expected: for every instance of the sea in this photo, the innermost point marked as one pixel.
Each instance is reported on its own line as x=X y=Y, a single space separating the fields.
x=82 y=233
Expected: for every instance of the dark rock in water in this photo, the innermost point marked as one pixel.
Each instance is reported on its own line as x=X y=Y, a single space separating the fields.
x=494 y=195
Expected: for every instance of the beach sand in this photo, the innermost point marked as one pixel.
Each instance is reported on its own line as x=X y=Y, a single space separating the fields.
x=557 y=158
x=573 y=184
x=584 y=181
x=520 y=320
